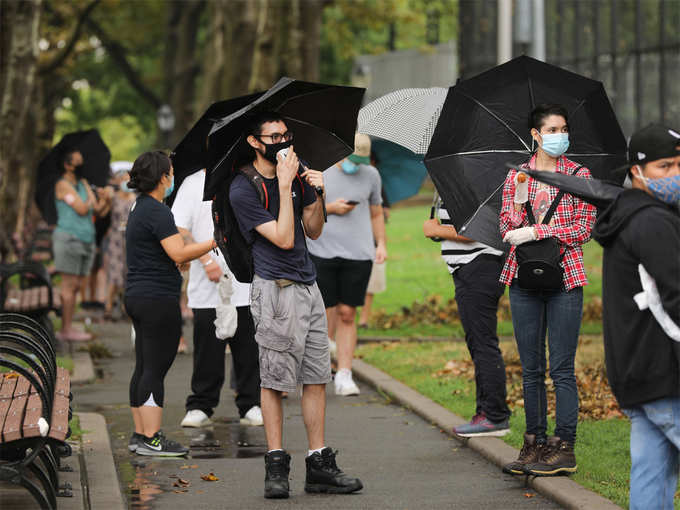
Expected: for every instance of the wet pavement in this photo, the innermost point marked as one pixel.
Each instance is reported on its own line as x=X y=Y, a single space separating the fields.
x=403 y=461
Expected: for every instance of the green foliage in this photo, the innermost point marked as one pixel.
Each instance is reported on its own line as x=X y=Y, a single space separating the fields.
x=358 y=27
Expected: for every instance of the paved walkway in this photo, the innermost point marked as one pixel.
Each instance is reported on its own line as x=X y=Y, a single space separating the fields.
x=404 y=462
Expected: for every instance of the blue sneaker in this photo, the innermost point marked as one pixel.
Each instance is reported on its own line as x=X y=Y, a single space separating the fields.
x=481 y=426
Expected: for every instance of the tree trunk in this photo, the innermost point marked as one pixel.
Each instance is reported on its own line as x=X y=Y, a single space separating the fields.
x=181 y=69
x=19 y=22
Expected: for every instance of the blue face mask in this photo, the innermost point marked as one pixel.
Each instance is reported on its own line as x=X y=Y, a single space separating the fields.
x=348 y=167
x=666 y=189
x=169 y=191
x=124 y=187
x=555 y=144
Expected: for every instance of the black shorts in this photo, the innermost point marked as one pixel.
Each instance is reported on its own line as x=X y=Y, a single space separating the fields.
x=342 y=280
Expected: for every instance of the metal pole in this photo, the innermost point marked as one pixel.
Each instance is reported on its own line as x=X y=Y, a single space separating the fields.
x=538 y=42
x=613 y=41
x=596 y=40
x=662 y=61
x=504 y=52
x=638 y=64
x=577 y=33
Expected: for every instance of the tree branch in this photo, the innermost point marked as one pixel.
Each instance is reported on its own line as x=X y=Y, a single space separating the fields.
x=59 y=58
x=119 y=55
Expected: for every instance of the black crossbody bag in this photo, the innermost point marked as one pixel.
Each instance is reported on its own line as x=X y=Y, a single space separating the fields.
x=539 y=262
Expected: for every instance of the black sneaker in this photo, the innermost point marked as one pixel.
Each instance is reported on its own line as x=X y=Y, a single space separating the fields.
x=161 y=446
x=324 y=475
x=135 y=440
x=277 y=468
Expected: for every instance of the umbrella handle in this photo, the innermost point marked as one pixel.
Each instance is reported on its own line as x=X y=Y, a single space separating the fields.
x=435 y=239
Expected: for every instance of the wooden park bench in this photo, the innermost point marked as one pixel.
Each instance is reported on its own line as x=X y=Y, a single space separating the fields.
x=34 y=410
x=26 y=288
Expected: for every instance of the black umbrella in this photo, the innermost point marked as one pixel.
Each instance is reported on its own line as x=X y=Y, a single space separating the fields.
x=483 y=126
x=594 y=191
x=96 y=159
x=322 y=117
x=191 y=154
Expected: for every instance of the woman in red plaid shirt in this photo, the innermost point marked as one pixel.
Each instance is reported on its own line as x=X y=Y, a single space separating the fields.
x=557 y=311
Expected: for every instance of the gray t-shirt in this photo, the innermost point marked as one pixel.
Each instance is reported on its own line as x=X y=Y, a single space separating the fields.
x=349 y=236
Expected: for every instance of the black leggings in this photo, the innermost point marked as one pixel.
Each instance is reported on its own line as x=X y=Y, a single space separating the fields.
x=158 y=327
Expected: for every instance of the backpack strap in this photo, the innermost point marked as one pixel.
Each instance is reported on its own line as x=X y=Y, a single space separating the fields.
x=255 y=179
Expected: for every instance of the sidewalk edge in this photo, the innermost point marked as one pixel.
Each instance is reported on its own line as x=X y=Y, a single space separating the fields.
x=83 y=368
x=562 y=490
x=102 y=478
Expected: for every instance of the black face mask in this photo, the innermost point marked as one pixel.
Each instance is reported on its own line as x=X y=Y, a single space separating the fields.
x=272 y=149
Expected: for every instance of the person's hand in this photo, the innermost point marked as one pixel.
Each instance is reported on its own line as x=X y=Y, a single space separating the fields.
x=339 y=207
x=380 y=253
x=287 y=167
x=313 y=177
x=520 y=236
x=430 y=227
x=212 y=271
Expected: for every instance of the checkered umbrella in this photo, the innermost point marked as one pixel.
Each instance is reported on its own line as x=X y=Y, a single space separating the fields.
x=406 y=116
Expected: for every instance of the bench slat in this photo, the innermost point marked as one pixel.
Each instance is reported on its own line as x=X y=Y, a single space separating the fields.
x=13 y=301
x=59 y=422
x=11 y=430
x=44 y=300
x=63 y=383
x=25 y=300
x=6 y=391
x=32 y=415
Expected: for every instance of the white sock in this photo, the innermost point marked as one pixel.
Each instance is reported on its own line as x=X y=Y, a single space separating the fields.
x=312 y=452
x=276 y=450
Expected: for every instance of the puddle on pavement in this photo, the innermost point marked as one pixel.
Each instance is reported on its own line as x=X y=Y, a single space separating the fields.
x=144 y=479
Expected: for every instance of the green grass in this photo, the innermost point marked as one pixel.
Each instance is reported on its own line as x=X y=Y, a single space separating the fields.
x=415 y=270
x=65 y=362
x=601 y=448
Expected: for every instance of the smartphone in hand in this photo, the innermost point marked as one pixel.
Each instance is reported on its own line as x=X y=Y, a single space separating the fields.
x=352 y=202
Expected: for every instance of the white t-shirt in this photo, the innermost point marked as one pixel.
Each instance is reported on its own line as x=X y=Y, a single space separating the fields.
x=195 y=215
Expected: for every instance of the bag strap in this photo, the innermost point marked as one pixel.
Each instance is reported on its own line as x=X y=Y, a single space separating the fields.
x=255 y=179
x=553 y=207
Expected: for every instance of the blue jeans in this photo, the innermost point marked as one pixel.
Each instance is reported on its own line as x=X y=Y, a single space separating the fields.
x=559 y=313
x=654 y=445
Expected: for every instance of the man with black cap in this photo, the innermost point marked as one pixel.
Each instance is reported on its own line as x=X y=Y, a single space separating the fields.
x=640 y=233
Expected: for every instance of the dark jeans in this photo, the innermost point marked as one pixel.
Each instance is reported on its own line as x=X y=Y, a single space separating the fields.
x=208 y=375
x=477 y=293
x=558 y=312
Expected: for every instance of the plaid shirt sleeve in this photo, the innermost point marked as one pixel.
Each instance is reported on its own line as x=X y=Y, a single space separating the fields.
x=572 y=224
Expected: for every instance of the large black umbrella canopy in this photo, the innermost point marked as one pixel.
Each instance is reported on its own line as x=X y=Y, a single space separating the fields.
x=96 y=160
x=322 y=117
x=484 y=125
x=191 y=153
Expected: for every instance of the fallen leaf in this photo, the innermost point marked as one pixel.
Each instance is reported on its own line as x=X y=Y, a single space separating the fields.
x=181 y=483
x=529 y=494
x=194 y=466
x=209 y=477
x=184 y=467
x=180 y=491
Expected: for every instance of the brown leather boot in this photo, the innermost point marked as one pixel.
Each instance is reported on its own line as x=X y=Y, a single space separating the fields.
x=529 y=454
x=556 y=458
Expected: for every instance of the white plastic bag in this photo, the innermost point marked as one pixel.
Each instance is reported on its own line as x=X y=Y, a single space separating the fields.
x=227 y=318
x=650 y=298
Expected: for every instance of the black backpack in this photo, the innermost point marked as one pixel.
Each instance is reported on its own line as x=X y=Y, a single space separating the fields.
x=539 y=262
x=236 y=250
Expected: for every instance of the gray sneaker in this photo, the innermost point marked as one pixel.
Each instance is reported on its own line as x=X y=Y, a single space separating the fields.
x=481 y=426
x=135 y=440
x=161 y=446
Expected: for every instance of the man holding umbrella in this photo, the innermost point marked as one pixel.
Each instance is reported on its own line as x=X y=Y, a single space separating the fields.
x=288 y=311
x=640 y=233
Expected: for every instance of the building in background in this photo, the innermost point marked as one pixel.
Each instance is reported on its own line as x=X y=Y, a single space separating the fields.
x=632 y=46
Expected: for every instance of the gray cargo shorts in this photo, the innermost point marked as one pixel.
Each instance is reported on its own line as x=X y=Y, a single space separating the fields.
x=292 y=334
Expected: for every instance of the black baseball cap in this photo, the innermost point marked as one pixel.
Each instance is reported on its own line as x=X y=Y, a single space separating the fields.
x=653 y=142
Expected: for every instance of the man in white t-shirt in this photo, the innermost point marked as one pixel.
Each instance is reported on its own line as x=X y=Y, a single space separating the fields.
x=193 y=218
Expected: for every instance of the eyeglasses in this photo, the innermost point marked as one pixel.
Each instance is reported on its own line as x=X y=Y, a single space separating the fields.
x=278 y=137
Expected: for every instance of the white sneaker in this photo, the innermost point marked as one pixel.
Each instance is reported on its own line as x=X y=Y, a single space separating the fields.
x=253 y=417
x=344 y=385
x=332 y=347
x=196 y=418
